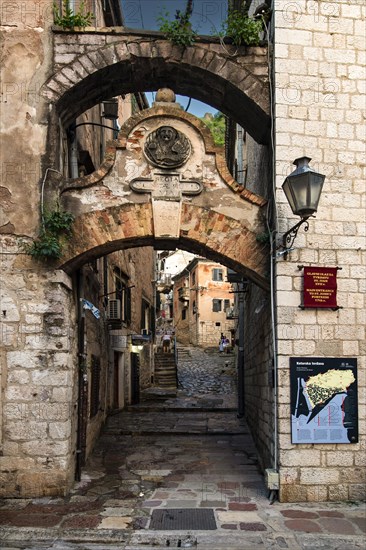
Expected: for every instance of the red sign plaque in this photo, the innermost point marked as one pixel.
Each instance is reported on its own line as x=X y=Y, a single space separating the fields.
x=320 y=287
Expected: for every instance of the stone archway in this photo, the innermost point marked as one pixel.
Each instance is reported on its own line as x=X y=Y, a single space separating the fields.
x=95 y=65
x=194 y=203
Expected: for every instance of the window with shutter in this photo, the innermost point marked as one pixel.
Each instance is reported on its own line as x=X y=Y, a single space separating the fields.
x=217 y=274
x=216 y=305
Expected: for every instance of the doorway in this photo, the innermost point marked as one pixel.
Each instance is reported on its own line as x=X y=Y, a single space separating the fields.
x=118 y=397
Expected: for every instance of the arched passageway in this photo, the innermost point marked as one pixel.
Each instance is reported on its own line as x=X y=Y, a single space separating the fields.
x=134 y=200
x=92 y=66
x=105 y=231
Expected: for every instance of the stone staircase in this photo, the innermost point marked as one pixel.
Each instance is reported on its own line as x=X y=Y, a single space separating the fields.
x=165 y=371
x=184 y=353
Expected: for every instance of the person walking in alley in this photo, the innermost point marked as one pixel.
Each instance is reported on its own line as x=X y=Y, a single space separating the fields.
x=221 y=343
x=166 y=343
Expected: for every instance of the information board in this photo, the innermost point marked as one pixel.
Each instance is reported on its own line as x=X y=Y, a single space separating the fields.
x=323 y=400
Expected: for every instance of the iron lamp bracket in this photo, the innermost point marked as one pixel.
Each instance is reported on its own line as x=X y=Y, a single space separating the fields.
x=289 y=237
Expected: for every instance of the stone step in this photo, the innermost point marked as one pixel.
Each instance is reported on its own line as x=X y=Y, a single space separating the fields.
x=165 y=366
x=164 y=371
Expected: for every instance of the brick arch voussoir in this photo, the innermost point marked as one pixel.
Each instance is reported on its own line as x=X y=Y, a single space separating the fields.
x=216 y=64
x=228 y=238
x=103 y=231
x=212 y=234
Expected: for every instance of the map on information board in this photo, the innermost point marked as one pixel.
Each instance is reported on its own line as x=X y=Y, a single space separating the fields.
x=323 y=400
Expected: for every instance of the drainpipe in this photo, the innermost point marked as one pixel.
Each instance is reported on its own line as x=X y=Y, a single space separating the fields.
x=241 y=407
x=82 y=382
x=74 y=168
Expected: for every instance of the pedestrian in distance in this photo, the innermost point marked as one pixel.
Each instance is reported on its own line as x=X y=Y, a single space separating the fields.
x=166 y=343
x=222 y=343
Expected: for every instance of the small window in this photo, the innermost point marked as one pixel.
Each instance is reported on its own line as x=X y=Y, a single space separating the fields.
x=217 y=274
x=217 y=324
x=216 y=305
x=123 y=293
x=226 y=304
x=145 y=315
x=193 y=278
x=184 y=314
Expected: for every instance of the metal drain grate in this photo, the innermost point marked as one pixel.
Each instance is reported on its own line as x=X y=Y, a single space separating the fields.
x=183 y=518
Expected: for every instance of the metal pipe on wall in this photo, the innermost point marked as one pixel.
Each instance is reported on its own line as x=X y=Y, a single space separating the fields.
x=241 y=396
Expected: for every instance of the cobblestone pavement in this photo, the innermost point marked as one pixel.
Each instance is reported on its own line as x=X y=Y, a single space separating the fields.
x=189 y=453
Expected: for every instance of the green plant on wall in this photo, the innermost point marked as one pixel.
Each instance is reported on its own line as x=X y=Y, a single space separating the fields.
x=179 y=31
x=67 y=19
x=242 y=29
x=263 y=238
x=55 y=230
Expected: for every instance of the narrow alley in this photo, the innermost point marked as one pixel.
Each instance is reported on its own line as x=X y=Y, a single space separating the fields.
x=178 y=471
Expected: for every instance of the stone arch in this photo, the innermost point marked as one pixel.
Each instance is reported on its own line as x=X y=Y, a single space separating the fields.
x=214 y=236
x=114 y=64
x=114 y=216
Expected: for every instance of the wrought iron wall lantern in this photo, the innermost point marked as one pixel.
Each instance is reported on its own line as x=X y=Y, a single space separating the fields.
x=110 y=107
x=302 y=188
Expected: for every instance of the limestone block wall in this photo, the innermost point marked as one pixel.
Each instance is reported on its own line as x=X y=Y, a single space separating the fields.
x=38 y=378
x=319 y=71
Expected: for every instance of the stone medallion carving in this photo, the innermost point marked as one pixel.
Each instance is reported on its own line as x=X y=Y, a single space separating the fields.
x=166 y=147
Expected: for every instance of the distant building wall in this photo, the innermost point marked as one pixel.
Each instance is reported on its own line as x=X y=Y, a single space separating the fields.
x=201 y=297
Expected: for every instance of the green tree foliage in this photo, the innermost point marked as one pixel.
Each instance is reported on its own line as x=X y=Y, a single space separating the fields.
x=217 y=125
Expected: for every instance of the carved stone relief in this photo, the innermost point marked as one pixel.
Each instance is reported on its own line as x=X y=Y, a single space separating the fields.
x=166 y=147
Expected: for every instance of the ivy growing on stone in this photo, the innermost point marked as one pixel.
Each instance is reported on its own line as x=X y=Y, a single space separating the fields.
x=67 y=19
x=55 y=230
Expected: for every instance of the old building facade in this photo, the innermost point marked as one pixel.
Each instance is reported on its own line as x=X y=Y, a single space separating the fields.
x=315 y=100
x=203 y=304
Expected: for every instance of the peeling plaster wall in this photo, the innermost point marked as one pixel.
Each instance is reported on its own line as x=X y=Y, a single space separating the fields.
x=37 y=337
x=26 y=62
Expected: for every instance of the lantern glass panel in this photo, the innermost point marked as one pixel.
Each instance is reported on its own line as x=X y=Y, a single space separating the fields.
x=315 y=190
x=300 y=190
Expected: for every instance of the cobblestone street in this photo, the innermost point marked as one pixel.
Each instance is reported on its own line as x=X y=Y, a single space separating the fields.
x=188 y=457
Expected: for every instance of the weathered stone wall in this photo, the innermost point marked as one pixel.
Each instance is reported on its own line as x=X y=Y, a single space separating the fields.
x=207 y=331
x=26 y=53
x=259 y=373
x=140 y=57
x=39 y=369
x=38 y=377
x=319 y=104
